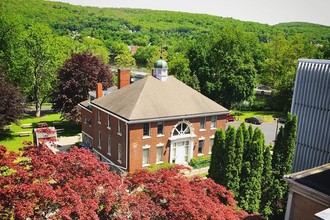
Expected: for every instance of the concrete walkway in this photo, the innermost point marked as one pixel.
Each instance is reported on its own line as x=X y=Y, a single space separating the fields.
x=194 y=172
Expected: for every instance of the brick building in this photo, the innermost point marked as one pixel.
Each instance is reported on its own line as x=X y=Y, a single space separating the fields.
x=155 y=120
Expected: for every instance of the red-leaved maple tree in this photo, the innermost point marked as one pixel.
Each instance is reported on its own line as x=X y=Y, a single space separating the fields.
x=38 y=184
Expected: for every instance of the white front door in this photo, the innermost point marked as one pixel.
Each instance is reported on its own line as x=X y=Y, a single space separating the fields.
x=180 y=151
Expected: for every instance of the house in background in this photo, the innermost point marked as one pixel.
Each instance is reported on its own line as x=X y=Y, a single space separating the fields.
x=157 y=119
x=309 y=193
x=311 y=104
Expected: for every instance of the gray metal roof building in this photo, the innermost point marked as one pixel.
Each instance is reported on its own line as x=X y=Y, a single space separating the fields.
x=311 y=104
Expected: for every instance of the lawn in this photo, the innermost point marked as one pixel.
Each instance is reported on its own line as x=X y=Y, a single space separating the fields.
x=264 y=115
x=13 y=142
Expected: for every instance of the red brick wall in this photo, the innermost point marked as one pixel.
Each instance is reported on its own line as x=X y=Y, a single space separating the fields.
x=105 y=133
x=136 y=140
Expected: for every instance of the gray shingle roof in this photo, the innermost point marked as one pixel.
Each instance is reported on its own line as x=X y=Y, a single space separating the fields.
x=151 y=98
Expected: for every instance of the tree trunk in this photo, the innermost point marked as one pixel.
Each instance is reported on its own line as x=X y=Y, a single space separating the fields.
x=38 y=109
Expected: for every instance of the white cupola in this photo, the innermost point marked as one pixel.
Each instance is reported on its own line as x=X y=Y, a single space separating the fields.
x=160 y=70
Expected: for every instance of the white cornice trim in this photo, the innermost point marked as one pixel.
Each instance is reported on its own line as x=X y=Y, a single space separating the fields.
x=85 y=108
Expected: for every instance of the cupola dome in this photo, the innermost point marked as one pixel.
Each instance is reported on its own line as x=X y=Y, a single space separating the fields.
x=160 y=69
x=160 y=64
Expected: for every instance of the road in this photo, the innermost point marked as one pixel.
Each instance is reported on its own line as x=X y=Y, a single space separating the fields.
x=268 y=128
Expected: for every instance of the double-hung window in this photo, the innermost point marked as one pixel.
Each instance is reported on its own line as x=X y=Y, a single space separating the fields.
x=146 y=130
x=109 y=146
x=160 y=128
x=146 y=155
x=202 y=123
x=159 y=154
x=201 y=146
x=213 y=122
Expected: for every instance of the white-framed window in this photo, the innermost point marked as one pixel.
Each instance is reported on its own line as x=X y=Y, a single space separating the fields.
x=119 y=150
x=211 y=143
x=202 y=123
x=146 y=129
x=109 y=146
x=119 y=127
x=214 y=122
x=146 y=155
x=109 y=123
x=98 y=116
x=160 y=128
x=99 y=139
x=159 y=153
x=201 y=146
x=87 y=140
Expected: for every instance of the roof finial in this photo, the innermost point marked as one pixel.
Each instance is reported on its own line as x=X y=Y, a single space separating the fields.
x=161 y=52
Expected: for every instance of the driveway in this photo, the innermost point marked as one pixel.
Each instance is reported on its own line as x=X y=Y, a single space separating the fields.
x=268 y=128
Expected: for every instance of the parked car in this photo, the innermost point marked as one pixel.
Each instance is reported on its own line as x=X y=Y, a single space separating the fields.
x=230 y=117
x=253 y=120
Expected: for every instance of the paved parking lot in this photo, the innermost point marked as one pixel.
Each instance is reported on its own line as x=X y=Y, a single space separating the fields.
x=268 y=128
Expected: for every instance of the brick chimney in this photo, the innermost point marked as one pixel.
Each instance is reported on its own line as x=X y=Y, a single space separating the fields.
x=99 y=90
x=124 y=78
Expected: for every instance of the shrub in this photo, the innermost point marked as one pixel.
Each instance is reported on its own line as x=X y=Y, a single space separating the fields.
x=199 y=162
x=155 y=167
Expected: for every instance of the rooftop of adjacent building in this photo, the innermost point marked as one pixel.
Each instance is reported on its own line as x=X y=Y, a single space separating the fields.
x=317 y=178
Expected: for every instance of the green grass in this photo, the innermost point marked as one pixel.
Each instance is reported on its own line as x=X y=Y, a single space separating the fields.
x=13 y=142
x=264 y=115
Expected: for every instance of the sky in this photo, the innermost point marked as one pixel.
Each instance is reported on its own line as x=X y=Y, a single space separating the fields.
x=262 y=11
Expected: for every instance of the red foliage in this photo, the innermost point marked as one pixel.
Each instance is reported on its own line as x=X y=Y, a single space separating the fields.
x=167 y=194
x=76 y=185
x=45 y=130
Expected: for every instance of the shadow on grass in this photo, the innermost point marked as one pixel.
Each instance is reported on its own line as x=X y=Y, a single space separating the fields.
x=65 y=128
x=7 y=134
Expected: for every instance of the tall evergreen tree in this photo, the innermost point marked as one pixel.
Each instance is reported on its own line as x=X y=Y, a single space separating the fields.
x=282 y=164
x=217 y=155
x=250 y=192
x=229 y=167
x=239 y=149
x=266 y=184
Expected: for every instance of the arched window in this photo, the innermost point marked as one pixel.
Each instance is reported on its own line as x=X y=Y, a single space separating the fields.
x=181 y=129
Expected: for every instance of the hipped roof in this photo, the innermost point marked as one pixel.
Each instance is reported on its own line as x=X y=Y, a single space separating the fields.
x=151 y=98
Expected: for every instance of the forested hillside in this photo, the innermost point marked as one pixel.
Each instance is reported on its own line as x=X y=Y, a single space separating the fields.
x=223 y=58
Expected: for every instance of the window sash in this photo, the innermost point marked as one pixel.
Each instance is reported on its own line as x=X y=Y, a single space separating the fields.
x=200 y=146
x=214 y=121
x=119 y=127
x=160 y=127
x=159 y=155
x=146 y=156
x=119 y=152
x=202 y=124
x=109 y=123
x=109 y=145
x=99 y=139
x=146 y=129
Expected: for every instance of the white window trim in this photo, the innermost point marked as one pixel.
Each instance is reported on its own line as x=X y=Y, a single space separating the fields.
x=109 y=152
x=146 y=136
x=214 y=128
x=202 y=129
x=119 y=127
x=98 y=116
x=147 y=146
x=109 y=124
x=99 y=138
x=162 y=134
x=121 y=153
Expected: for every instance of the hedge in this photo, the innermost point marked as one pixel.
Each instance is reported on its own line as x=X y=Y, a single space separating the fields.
x=200 y=162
